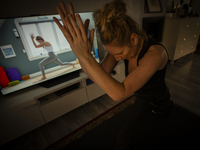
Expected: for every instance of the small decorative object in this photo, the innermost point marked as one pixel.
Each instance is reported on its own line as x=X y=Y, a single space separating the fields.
x=13 y=83
x=8 y=51
x=3 y=78
x=153 y=5
x=13 y=74
x=16 y=33
x=26 y=77
x=96 y=53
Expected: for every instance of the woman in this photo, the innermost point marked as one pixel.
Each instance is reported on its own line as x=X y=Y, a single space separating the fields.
x=145 y=64
x=52 y=57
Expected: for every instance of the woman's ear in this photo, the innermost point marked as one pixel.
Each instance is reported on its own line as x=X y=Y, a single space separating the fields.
x=134 y=39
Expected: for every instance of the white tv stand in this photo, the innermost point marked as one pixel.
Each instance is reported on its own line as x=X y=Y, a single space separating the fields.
x=32 y=107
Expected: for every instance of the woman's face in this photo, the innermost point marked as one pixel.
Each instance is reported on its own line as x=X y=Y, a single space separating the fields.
x=123 y=52
x=39 y=41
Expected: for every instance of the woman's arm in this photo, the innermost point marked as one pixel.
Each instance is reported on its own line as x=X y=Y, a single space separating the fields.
x=107 y=64
x=36 y=46
x=149 y=64
x=81 y=47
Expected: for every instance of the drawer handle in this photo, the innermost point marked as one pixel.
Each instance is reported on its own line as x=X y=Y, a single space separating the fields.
x=198 y=24
x=184 y=39
x=181 y=51
x=192 y=46
x=195 y=35
x=187 y=26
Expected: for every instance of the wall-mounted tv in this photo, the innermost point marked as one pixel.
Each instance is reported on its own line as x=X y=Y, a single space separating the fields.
x=15 y=35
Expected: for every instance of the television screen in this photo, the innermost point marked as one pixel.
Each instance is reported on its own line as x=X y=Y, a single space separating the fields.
x=19 y=58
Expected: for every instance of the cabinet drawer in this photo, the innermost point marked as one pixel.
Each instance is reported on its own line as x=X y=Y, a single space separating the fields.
x=182 y=42
x=196 y=23
x=186 y=25
x=183 y=51
x=185 y=37
x=189 y=26
x=180 y=52
x=192 y=46
x=193 y=38
x=19 y=120
x=64 y=104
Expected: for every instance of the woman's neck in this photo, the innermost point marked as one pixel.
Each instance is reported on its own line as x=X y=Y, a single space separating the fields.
x=139 y=47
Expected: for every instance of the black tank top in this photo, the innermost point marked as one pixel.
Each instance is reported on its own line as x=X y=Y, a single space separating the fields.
x=155 y=89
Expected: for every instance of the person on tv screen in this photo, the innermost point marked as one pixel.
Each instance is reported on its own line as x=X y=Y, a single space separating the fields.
x=145 y=66
x=51 y=55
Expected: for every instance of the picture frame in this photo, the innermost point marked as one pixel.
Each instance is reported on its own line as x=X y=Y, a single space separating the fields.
x=8 y=51
x=154 y=6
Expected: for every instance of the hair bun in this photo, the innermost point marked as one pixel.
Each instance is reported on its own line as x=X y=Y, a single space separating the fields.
x=114 y=10
x=113 y=23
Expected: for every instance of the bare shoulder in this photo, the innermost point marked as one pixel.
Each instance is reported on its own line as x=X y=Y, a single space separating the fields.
x=46 y=44
x=156 y=54
x=157 y=49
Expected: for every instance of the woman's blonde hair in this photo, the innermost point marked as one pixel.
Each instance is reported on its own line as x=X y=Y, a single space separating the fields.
x=113 y=23
x=39 y=38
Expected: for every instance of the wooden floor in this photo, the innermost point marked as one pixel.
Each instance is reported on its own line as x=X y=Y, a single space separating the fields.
x=182 y=78
x=47 y=134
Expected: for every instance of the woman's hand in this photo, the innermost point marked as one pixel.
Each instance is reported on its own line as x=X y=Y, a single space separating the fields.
x=32 y=37
x=76 y=36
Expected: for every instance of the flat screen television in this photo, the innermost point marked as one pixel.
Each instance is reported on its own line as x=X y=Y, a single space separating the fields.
x=18 y=51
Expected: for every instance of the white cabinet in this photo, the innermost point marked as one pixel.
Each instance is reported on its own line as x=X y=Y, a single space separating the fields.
x=27 y=109
x=180 y=36
x=60 y=105
x=18 y=120
x=94 y=91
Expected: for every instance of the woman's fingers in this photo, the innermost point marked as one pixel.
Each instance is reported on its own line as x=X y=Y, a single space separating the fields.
x=67 y=29
x=57 y=22
x=64 y=30
x=73 y=27
x=86 y=24
x=63 y=8
x=91 y=36
x=74 y=30
x=71 y=9
x=62 y=15
x=82 y=27
x=76 y=34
